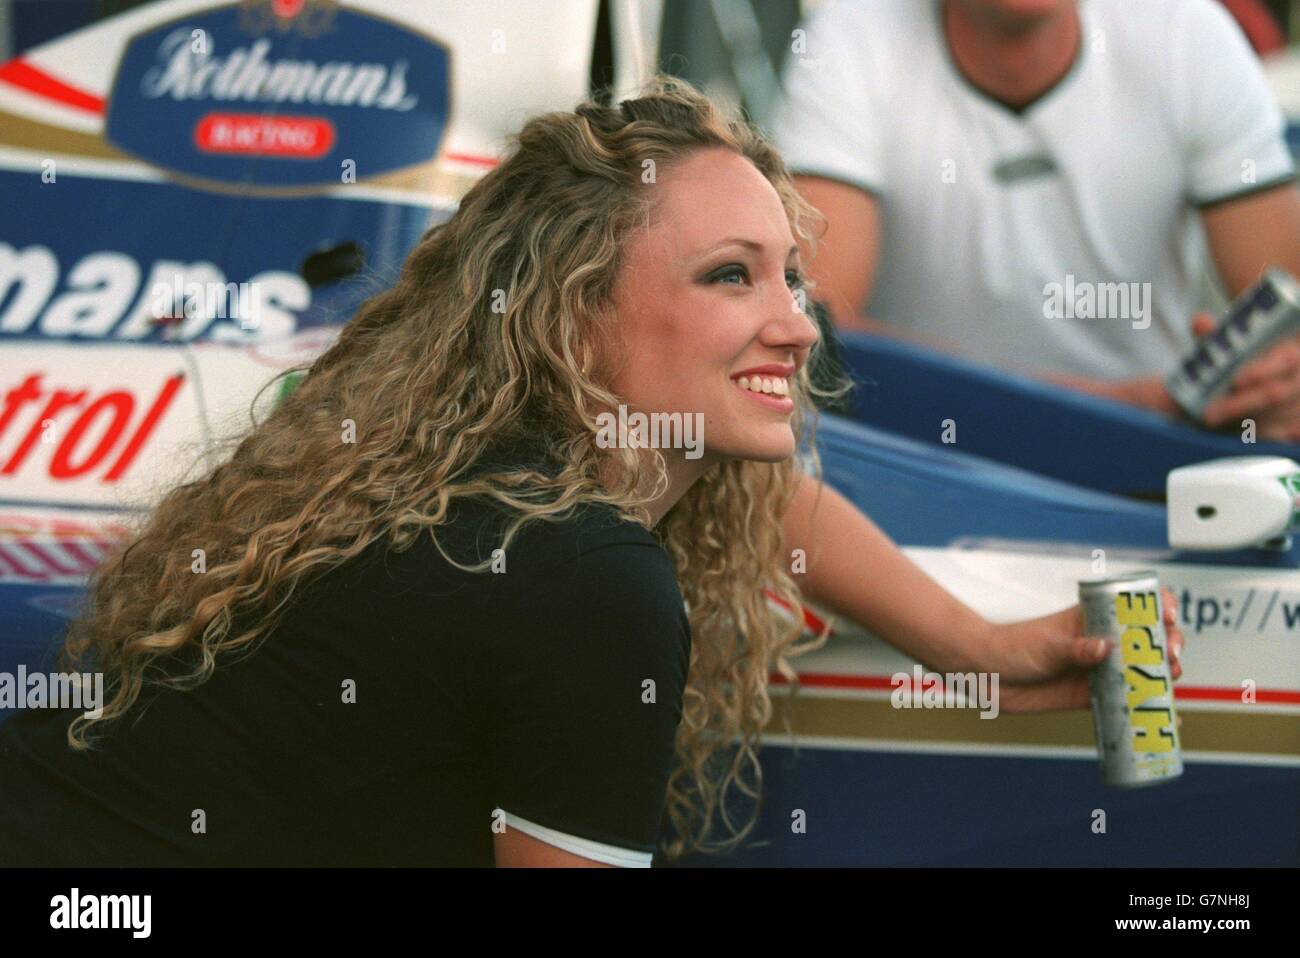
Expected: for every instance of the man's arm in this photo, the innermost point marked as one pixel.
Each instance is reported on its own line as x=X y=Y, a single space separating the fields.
x=1248 y=235
x=1226 y=114
x=845 y=263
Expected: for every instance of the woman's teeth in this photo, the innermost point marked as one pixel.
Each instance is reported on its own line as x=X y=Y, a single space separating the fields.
x=774 y=385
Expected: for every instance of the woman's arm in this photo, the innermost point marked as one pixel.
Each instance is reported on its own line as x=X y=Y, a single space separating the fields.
x=513 y=849
x=854 y=569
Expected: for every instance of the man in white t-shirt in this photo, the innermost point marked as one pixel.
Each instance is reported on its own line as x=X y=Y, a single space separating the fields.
x=1033 y=184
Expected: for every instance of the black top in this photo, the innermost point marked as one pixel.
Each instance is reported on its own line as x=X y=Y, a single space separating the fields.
x=525 y=691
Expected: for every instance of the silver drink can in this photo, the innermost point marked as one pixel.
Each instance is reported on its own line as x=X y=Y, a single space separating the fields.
x=1132 y=689
x=1258 y=318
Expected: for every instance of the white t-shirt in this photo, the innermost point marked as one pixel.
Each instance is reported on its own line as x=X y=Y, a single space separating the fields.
x=1009 y=234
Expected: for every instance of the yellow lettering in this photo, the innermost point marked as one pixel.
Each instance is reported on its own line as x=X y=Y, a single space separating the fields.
x=1142 y=687
x=1153 y=730
x=1136 y=608
x=1137 y=648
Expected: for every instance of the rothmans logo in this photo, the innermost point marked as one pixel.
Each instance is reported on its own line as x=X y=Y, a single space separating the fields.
x=188 y=68
x=201 y=95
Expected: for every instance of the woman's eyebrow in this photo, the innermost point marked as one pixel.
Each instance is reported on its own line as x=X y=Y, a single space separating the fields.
x=741 y=241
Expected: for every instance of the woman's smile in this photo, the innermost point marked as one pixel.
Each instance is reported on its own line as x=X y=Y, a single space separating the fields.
x=768 y=385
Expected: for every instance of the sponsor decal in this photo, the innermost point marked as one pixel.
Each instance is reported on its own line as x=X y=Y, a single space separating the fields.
x=67 y=433
x=84 y=260
x=285 y=84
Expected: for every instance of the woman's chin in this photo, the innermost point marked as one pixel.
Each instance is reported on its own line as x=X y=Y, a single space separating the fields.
x=763 y=449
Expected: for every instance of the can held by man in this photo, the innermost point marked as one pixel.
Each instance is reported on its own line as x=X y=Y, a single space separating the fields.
x=1261 y=316
x=1132 y=688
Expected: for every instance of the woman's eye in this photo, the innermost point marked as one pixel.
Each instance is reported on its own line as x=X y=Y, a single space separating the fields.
x=728 y=273
x=737 y=273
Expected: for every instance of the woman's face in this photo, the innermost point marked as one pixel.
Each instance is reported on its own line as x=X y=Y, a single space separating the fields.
x=706 y=306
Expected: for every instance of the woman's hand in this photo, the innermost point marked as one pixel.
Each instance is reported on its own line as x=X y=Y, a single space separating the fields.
x=1043 y=663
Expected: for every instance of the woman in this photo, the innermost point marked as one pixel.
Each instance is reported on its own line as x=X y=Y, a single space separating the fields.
x=439 y=617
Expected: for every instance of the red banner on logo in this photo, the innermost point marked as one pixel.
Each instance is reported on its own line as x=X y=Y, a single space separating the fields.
x=291 y=136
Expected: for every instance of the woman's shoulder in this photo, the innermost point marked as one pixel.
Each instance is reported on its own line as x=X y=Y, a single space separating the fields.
x=592 y=573
x=477 y=527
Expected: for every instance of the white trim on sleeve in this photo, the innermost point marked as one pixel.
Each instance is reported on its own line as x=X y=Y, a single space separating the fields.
x=584 y=847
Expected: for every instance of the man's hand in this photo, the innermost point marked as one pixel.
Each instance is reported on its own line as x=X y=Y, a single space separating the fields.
x=1266 y=389
x=1043 y=663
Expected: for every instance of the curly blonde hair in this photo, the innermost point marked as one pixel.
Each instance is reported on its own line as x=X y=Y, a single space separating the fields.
x=499 y=328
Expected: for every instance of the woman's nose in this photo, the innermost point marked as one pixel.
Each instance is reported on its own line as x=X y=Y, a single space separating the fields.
x=793 y=325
